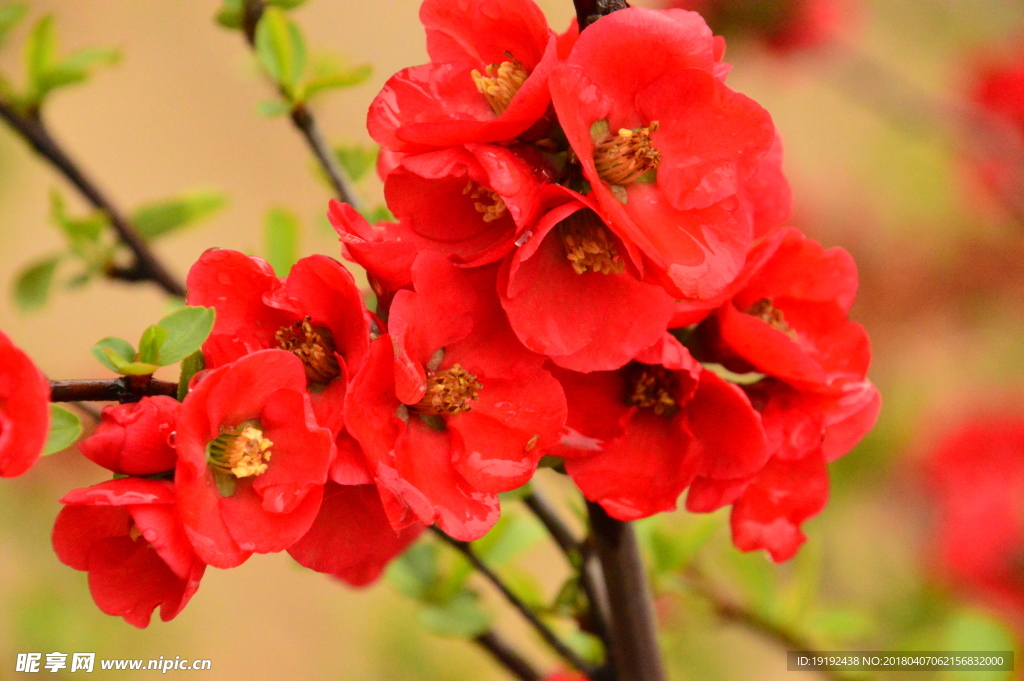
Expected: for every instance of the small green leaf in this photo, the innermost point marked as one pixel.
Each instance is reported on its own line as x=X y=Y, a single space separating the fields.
x=377 y=214
x=415 y=572
x=357 y=159
x=75 y=67
x=32 y=287
x=187 y=329
x=271 y=108
x=149 y=346
x=40 y=50
x=113 y=353
x=461 y=617
x=748 y=378
x=10 y=16
x=281 y=240
x=286 y=4
x=338 y=79
x=138 y=369
x=161 y=217
x=281 y=49
x=231 y=14
x=190 y=366
x=65 y=428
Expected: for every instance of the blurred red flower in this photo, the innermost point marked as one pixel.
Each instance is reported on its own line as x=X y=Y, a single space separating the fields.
x=24 y=410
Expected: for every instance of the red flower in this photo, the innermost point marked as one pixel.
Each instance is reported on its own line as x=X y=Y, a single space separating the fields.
x=252 y=460
x=998 y=89
x=467 y=202
x=24 y=410
x=637 y=437
x=977 y=479
x=486 y=80
x=128 y=535
x=135 y=438
x=572 y=292
x=450 y=408
x=631 y=124
x=351 y=537
x=316 y=313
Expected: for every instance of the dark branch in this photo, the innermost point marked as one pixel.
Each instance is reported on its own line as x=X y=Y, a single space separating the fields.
x=507 y=656
x=548 y=516
x=146 y=266
x=634 y=637
x=301 y=117
x=124 y=389
x=564 y=651
x=589 y=11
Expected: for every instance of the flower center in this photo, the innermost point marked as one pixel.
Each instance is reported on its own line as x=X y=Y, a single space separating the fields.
x=627 y=156
x=499 y=83
x=488 y=203
x=241 y=451
x=588 y=244
x=448 y=392
x=314 y=346
x=652 y=387
x=766 y=311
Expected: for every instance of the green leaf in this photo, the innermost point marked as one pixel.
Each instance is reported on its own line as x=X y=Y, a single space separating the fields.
x=161 y=217
x=978 y=631
x=271 y=108
x=748 y=378
x=187 y=329
x=40 y=51
x=65 y=428
x=138 y=369
x=281 y=49
x=461 y=617
x=339 y=79
x=10 y=16
x=357 y=159
x=149 y=346
x=75 y=67
x=190 y=366
x=511 y=536
x=415 y=572
x=281 y=240
x=377 y=214
x=32 y=287
x=231 y=14
x=286 y=4
x=113 y=353
x=88 y=228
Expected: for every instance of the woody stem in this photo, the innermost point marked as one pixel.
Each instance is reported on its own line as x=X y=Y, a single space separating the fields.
x=634 y=636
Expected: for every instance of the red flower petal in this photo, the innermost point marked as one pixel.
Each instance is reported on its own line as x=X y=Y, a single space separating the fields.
x=24 y=410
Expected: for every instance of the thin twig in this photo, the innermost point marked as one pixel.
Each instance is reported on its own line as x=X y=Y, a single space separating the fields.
x=579 y=556
x=634 y=629
x=302 y=117
x=728 y=609
x=124 y=389
x=564 y=651
x=146 y=266
x=507 y=656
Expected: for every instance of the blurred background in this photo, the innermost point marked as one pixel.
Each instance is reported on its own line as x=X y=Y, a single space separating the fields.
x=880 y=164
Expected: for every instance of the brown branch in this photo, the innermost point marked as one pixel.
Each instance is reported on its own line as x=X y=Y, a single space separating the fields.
x=728 y=609
x=545 y=632
x=507 y=656
x=634 y=636
x=302 y=117
x=589 y=11
x=147 y=266
x=124 y=389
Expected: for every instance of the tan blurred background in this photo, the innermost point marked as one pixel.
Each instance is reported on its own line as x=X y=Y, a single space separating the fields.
x=942 y=294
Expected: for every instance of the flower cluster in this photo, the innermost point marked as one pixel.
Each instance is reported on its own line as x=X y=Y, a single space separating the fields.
x=589 y=264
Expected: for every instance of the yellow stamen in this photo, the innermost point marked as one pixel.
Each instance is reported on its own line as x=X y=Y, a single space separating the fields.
x=241 y=453
x=766 y=311
x=314 y=346
x=627 y=156
x=589 y=245
x=652 y=388
x=499 y=83
x=448 y=392
x=490 y=205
